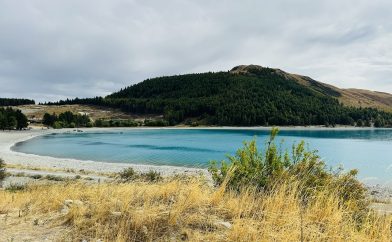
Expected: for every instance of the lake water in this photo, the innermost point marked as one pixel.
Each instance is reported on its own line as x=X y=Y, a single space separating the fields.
x=369 y=150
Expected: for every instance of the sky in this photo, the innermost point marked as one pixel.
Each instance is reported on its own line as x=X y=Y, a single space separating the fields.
x=51 y=50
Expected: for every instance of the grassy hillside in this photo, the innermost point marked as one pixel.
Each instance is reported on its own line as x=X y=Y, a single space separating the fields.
x=246 y=95
x=351 y=97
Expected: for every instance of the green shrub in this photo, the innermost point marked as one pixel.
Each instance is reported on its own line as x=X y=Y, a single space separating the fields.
x=2 y=171
x=55 y=178
x=58 y=125
x=263 y=170
x=36 y=176
x=128 y=174
x=14 y=187
x=250 y=167
x=152 y=176
x=156 y=123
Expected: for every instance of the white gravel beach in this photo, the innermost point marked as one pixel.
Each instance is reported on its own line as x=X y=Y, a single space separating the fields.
x=10 y=138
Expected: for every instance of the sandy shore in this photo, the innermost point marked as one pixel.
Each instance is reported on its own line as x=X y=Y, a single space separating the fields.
x=10 y=138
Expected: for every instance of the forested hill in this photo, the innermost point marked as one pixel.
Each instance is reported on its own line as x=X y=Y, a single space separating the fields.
x=246 y=95
x=15 y=101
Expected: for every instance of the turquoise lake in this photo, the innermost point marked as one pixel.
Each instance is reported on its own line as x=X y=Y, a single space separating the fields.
x=368 y=150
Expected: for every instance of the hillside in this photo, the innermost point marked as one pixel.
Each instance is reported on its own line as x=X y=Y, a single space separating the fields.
x=351 y=97
x=246 y=95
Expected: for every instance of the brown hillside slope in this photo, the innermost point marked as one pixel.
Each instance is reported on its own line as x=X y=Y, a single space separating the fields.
x=349 y=97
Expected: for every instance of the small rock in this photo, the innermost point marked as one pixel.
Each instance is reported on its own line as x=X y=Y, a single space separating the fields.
x=64 y=210
x=78 y=203
x=116 y=214
x=68 y=202
x=224 y=224
x=144 y=230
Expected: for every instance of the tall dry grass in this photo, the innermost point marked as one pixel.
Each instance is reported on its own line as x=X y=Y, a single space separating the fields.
x=190 y=209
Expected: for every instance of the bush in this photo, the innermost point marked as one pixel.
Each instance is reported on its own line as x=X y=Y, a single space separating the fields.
x=58 y=125
x=249 y=167
x=152 y=176
x=264 y=170
x=128 y=174
x=15 y=187
x=2 y=171
x=36 y=176
x=55 y=178
x=156 y=123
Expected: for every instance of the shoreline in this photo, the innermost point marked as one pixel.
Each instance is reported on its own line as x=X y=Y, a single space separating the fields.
x=10 y=138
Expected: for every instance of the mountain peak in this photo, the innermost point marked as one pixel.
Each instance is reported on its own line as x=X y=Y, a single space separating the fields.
x=246 y=69
x=254 y=69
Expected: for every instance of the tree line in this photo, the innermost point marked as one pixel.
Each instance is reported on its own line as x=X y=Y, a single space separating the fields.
x=15 y=101
x=70 y=120
x=12 y=119
x=66 y=120
x=223 y=98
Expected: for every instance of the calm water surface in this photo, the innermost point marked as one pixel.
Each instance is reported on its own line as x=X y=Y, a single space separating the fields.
x=370 y=151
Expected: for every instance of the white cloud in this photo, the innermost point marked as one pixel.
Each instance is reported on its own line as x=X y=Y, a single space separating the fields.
x=54 y=49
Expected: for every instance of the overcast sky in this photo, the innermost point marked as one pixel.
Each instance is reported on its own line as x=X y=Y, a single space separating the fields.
x=52 y=49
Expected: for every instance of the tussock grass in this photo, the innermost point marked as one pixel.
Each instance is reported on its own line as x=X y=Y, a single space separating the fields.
x=190 y=209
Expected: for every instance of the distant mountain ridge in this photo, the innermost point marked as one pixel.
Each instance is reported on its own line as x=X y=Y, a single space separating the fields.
x=247 y=95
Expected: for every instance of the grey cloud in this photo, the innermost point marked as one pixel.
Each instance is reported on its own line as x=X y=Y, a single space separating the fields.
x=57 y=49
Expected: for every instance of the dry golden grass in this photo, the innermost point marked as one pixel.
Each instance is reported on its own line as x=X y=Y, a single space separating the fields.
x=190 y=209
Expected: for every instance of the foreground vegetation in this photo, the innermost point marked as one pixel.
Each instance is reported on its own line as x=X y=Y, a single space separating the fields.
x=266 y=195
x=262 y=96
x=190 y=209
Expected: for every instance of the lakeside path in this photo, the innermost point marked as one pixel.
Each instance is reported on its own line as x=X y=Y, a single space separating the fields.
x=12 y=158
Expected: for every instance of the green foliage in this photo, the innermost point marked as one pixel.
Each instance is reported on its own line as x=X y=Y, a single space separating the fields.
x=36 y=176
x=2 y=171
x=55 y=178
x=16 y=187
x=15 y=101
x=262 y=97
x=66 y=120
x=156 y=123
x=116 y=123
x=58 y=125
x=128 y=174
x=12 y=119
x=262 y=170
x=152 y=176
x=250 y=167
